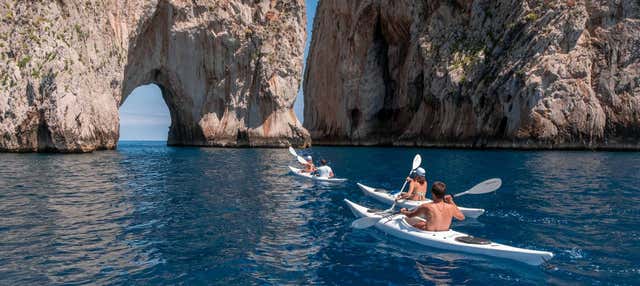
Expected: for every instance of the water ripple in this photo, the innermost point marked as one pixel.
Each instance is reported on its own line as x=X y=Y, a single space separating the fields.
x=149 y=214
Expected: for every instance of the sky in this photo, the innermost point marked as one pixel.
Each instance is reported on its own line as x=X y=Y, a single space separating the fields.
x=145 y=116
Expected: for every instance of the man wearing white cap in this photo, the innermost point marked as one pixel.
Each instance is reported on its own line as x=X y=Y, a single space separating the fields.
x=309 y=167
x=417 y=187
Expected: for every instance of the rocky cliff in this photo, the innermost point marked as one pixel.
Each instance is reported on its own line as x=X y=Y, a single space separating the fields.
x=229 y=70
x=513 y=74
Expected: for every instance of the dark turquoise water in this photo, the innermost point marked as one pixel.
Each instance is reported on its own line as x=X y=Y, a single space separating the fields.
x=148 y=214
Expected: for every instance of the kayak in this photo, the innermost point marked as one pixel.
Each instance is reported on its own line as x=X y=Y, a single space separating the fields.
x=387 y=198
x=298 y=172
x=398 y=226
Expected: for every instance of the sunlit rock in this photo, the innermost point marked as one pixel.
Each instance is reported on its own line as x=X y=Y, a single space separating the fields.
x=523 y=74
x=229 y=71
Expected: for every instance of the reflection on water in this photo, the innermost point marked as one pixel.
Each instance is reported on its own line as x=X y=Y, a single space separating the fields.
x=150 y=214
x=285 y=252
x=61 y=220
x=438 y=274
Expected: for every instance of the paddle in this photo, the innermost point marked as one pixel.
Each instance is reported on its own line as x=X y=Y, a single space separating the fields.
x=417 y=160
x=299 y=158
x=487 y=186
x=365 y=222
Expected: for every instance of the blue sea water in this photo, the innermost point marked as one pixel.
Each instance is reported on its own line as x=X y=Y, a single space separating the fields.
x=148 y=214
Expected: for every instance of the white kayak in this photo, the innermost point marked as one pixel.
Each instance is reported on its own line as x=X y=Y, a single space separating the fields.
x=387 y=198
x=298 y=172
x=397 y=226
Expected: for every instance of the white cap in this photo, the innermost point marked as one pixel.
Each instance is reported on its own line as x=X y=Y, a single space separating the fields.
x=420 y=172
x=308 y=158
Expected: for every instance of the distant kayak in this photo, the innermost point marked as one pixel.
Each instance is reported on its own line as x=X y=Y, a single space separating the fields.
x=298 y=172
x=397 y=226
x=387 y=198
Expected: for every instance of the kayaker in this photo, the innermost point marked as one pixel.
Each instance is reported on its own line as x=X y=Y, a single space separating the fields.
x=437 y=214
x=309 y=167
x=324 y=171
x=417 y=187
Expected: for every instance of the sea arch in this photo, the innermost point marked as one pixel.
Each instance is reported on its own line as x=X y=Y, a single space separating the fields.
x=224 y=86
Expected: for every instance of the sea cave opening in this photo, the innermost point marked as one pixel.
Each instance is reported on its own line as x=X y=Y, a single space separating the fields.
x=144 y=115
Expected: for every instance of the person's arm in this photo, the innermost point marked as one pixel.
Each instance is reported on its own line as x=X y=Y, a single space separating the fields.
x=331 y=175
x=409 y=193
x=456 y=211
x=415 y=212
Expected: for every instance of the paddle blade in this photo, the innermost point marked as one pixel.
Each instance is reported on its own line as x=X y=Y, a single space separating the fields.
x=364 y=222
x=487 y=186
x=417 y=160
x=301 y=160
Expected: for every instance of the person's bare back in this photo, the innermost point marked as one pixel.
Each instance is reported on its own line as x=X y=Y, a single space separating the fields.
x=437 y=214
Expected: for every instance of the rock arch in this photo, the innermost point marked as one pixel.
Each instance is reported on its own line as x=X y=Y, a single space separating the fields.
x=228 y=70
x=225 y=84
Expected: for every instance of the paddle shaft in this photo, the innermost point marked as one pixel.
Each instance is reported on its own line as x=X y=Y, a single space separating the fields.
x=400 y=193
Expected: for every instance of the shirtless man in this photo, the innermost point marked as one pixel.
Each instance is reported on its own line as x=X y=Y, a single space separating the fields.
x=309 y=167
x=417 y=187
x=439 y=213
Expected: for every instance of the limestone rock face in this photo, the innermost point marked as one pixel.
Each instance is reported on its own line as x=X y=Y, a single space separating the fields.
x=229 y=70
x=513 y=74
